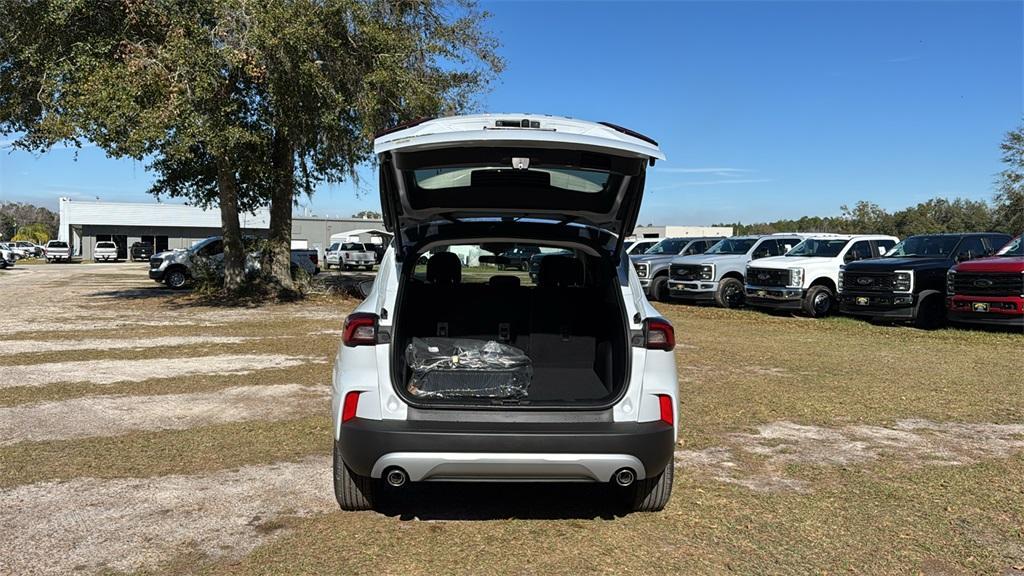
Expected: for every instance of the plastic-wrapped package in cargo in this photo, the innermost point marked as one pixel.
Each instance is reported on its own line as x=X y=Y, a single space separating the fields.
x=464 y=368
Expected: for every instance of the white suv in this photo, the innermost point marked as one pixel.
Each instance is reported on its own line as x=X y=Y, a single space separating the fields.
x=807 y=277
x=456 y=370
x=718 y=274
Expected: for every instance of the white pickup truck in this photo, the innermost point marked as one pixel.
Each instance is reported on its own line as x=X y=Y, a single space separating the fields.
x=347 y=255
x=175 y=267
x=105 y=251
x=718 y=274
x=57 y=250
x=807 y=277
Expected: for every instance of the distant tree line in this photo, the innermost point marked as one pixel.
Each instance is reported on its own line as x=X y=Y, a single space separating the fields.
x=20 y=221
x=1004 y=214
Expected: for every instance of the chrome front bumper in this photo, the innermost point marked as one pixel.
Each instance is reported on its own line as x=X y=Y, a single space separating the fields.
x=695 y=287
x=783 y=294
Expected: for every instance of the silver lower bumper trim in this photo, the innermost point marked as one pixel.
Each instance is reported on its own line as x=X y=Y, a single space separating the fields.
x=508 y=467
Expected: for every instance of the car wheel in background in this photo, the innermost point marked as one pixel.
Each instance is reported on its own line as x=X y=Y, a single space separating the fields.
x=651 y=494
x=353 y=492
x=931 y=313
x=658 y=291
x=818 y=302
x=176 y=278
x=730 y=293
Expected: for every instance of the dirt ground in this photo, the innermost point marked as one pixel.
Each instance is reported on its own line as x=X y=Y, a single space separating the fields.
x=144 y=433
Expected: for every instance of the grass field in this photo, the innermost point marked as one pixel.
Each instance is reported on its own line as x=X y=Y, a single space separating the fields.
x=141 y=433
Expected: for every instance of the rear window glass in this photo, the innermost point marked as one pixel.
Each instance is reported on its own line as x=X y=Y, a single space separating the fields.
x=480 y=263
x=57 y=244
x=106 y=245
x=589 y=181
x=353 y=246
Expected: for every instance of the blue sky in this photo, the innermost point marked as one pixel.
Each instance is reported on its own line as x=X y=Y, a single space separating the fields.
x=765 y=110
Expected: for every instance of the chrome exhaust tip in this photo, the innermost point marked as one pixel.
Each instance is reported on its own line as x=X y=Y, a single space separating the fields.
x=396 y=477
x=625 y=477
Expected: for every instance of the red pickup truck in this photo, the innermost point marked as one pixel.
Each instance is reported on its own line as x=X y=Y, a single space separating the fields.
x=989 y=290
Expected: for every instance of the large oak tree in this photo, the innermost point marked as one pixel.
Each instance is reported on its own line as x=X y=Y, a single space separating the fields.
x=239 y=103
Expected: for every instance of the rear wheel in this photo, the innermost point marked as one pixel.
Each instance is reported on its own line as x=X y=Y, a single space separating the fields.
x=659 y=289
x=818 y=301
x=730 y=293
x=352 y=491
x=651 y=494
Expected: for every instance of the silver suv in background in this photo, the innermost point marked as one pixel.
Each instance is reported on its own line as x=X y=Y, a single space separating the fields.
x=652 y=266
x=718 y=274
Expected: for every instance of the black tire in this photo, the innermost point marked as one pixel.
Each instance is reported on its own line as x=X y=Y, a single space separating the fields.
x=651 y=494
x=729 y=293
x=819 y=301
x=176 y=278
x=353 y=492
x=931 y=313
x=658 y=291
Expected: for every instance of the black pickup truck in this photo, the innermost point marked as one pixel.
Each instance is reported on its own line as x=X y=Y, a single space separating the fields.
x=908 y=283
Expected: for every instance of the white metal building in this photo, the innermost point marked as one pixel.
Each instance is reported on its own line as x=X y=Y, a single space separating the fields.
x=169 y=226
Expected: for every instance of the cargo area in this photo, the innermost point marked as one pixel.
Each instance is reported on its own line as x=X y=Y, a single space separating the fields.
x=566 y=317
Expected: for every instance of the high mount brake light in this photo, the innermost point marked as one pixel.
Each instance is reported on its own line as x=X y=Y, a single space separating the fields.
x=360 y=330
x=659 y=334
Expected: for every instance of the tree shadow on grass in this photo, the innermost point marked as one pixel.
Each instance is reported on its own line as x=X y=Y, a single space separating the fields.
x=502 y=501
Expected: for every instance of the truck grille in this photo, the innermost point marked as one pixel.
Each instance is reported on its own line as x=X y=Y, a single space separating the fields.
x=868 y=281
x=684 y=272
x=767 y=277
x=988 y=284
x=155 y=262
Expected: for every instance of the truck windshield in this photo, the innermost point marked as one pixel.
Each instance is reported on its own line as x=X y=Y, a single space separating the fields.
x=668 y=246
x=732 y=246
x=924 y=247
x=1014 y=248
x=818 y=248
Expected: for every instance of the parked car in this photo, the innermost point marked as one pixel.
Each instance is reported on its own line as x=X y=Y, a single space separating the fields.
x=989 y=290
x=105 y=251
x=141 y=251
x=7 y=257
x=18 y=252
x=346 y=255
x=601 y=405
x=30 y=249
x=518 y=257
x=637 y=247
x=176 y=268
x=909 y=282
x=652 y=266
x=57 y=251
x=718 y=274
x=807 y=277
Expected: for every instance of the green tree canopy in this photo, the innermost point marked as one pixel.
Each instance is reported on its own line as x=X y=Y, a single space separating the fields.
x=236 y=102
x=1009 y=210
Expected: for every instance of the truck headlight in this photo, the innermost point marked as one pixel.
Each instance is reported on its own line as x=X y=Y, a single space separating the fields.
x=950 y=282
x=796 y=277
x=707 y=272
x=903 y=281
x=839 y=287
x=641 y=270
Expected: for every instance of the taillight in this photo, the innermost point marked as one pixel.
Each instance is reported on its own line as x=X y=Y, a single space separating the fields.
x=360 y=330
x=665 y=404
x=659 y=334
x=348 y=409
x=314 y=258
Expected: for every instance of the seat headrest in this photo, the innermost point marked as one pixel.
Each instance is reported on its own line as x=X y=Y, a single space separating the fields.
x=444 y=268
x=560 y=270
x=504 y=281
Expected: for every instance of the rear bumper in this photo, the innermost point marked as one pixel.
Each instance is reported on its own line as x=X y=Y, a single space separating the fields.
x=775 y=297
x=428 y=450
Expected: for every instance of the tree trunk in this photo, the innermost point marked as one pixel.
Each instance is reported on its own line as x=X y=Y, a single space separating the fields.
x=234 y=256
x=282 y=196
